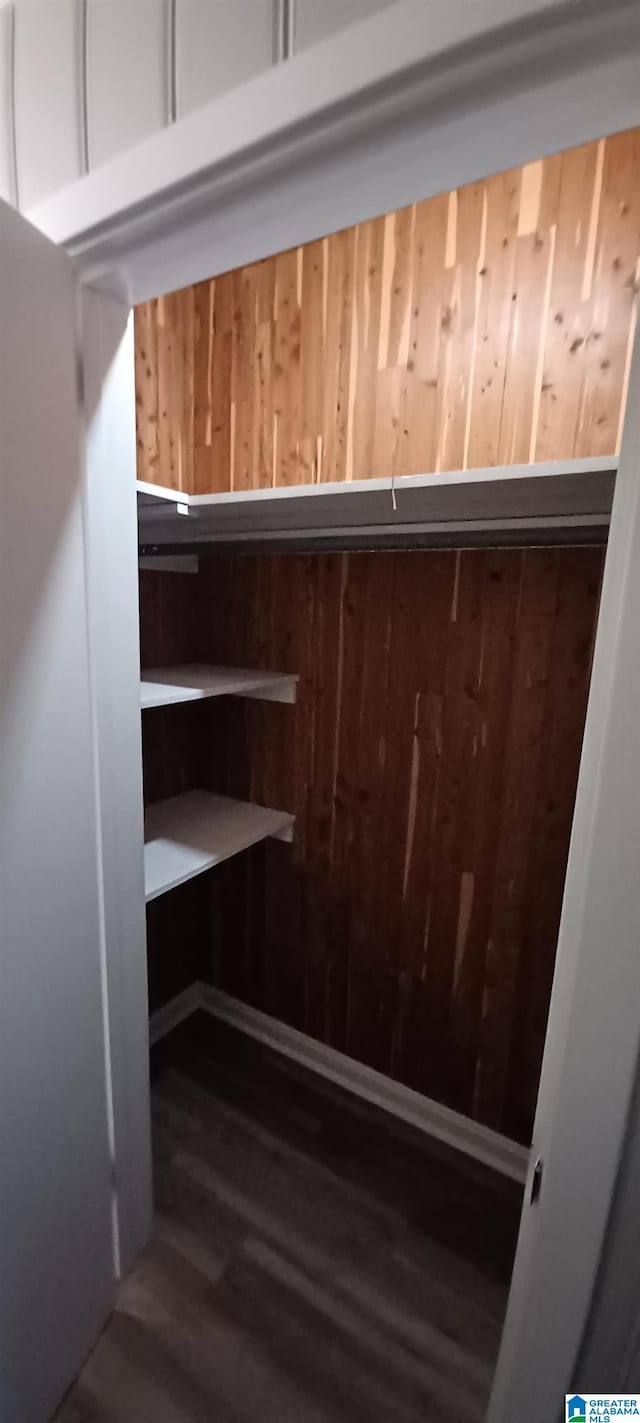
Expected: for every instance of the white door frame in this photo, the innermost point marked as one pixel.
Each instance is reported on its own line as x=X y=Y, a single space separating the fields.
x=591 y=1050
x=393 y=111
x=111 y=533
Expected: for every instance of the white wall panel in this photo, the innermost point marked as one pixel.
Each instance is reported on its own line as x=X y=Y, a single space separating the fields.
x=315 y=19
x=80 y=96
x=47 y=96
x=219 y=43
x=6 y=107
x=127 y=73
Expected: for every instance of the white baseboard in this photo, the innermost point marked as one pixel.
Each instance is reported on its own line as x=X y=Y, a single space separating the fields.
x=165 y=1019
x=477 y=1141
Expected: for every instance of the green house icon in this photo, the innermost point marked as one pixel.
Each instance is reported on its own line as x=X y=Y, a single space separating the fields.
x=576 y=1409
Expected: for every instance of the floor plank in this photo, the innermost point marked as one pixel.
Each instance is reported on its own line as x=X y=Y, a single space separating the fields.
x=312 y=1260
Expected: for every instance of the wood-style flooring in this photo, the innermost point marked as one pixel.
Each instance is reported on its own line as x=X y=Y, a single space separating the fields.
x=312 y=1260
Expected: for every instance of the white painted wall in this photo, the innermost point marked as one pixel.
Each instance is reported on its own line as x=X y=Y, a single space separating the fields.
x=6 y=108
x=127 y=71
x=314 y=20
x=84 y=80
x=219 y=45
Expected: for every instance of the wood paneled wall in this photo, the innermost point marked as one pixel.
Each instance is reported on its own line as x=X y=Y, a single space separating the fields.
x=490 y=325
x=431 y=762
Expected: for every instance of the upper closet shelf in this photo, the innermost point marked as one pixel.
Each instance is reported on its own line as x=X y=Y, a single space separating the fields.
x=188 y=834
x=512 y=502
x=162 y=686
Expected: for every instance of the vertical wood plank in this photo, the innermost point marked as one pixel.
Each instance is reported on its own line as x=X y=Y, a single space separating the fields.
x=372 y=1004
x=413 y=762
x=458 y=323
x=579 y=577
x=495 y=278
x=459 y=729
x=167 y=426
x=501 y=573
x=615 y=285
x=288 y=294
x=203 y=334
x=536 y=606
x=570 y=309
x=222 y=432
x=419 y=402
x=312 y=365
x=146 y=375
x=367 y=307
x=185 y=371
x=534 y=271
x=339 y=257
x=242 y=361
x=263 y=410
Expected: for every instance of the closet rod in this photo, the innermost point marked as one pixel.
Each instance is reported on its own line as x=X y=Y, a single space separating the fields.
x=583 y=536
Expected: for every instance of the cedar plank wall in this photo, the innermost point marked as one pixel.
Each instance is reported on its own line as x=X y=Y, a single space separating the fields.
x=490 y=325
x=431 y=762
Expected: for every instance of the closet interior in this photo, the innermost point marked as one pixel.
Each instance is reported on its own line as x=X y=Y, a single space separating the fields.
x=375 y=477
x=375 y=481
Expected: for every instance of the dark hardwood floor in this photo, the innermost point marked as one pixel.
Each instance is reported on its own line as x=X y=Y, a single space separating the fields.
x=312 y=1261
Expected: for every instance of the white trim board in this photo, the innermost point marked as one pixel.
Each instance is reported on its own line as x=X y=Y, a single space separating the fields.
x=507 y=1157
x=175 y=1012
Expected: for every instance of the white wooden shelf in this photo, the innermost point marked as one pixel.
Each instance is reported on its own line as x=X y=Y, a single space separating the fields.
x=190 y=833
x=162 y=686
x=545 y=500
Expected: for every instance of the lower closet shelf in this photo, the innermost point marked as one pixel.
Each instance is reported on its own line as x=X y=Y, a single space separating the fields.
x=188 y=834
x=163 y=686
